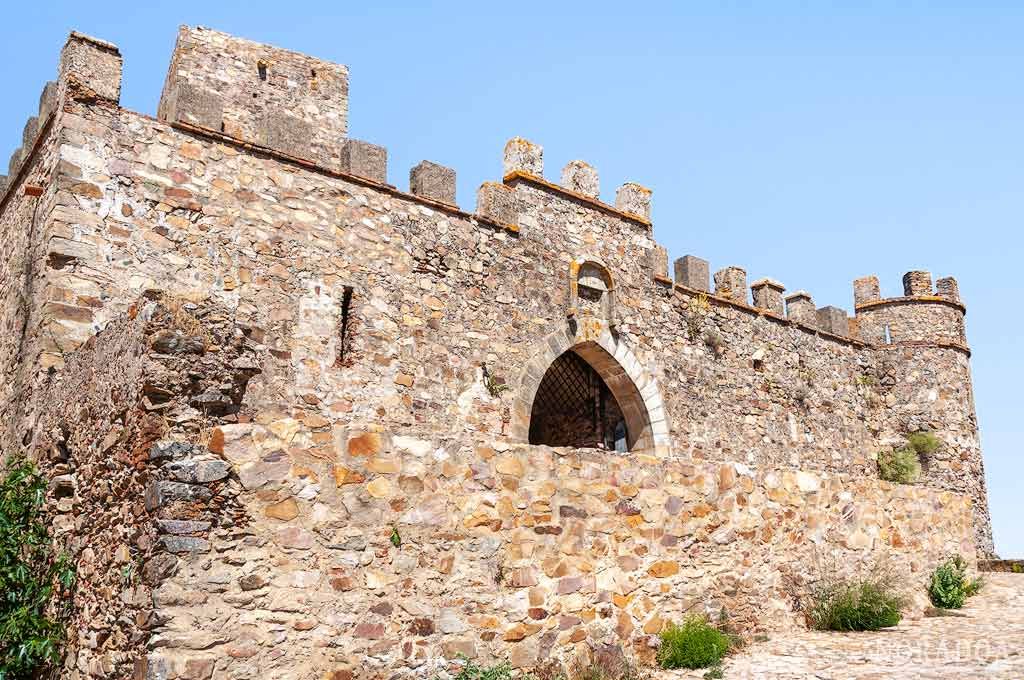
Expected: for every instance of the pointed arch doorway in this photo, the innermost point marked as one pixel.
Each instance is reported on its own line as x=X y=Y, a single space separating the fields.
x=559 y=399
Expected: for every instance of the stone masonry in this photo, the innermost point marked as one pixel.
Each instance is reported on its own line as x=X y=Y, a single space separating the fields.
x=287 y=407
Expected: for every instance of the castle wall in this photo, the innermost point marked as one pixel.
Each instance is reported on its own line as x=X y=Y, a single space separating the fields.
x=391 y=345
x=436 y=295
x=27 y=253
x=219 y=546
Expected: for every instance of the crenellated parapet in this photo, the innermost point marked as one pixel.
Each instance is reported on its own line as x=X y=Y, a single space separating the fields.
x=523 y=162
x=767 y=297
x=923 y=314
x=89 y=70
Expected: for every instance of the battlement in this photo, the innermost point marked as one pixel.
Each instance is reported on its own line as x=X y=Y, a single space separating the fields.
x=523 y=161
x=767 y=296
x=921 y=314
x=89 y=69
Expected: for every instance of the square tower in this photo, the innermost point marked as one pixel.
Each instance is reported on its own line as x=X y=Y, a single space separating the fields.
x=284 y=100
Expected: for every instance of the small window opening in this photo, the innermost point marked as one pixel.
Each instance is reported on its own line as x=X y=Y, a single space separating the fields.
x=346 y=329
x=261 y=67
x=888 y=335
x=758 y=364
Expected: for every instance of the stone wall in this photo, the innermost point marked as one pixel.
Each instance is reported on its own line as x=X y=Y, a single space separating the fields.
x=434 y=296
x=212 y=541
x=131 y=489
x=524 y=553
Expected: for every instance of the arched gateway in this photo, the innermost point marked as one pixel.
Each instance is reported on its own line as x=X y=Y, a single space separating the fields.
x=585 y=388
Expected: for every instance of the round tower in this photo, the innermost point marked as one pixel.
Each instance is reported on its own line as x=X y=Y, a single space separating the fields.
x=924 y=377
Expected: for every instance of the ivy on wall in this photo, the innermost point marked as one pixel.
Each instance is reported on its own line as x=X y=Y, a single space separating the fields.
x=35 y=580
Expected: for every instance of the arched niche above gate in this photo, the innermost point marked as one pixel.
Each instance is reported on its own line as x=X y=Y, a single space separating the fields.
x=591 y=291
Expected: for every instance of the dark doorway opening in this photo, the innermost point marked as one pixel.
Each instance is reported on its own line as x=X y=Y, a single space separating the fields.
x=574 y=407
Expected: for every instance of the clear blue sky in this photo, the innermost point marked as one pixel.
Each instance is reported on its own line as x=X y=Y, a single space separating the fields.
x=809 y=142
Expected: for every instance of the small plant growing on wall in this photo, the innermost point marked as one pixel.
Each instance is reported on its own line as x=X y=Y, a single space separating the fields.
x=697 y=309
x=925 y=443
x=903 y=465
x=471 y=671
x=866 y=380
x=32 y=577
x=495 y=385
x=715 y=342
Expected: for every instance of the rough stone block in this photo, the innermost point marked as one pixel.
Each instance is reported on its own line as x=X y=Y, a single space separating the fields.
x=581 y=177
x=365 y=160
x=47 y=101
x=181 y=527
x=833 y=320
x=866 y=289
x=497 y=202
x=29 y=132
x=3 y=183
x=93 y=64
x=659 y=261
x=948 y=288
x=731 y=283
x=634 y=199
x=160 y=493
x=693 y=272
x=522 y=155
x=800 y=308
x=198 y=471
x=433 y=181
x=767 y=295
x=185 y=544
x=187 y=103
x=171 y=449
x=917 y=283
x=284 y=132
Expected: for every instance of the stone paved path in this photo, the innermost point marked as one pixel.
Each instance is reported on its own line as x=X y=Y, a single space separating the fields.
x=986 y=642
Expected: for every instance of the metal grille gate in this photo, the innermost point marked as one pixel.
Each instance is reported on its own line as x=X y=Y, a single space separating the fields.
x=573 y=407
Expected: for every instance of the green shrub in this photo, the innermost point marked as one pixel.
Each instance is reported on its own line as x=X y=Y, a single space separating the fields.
x=695 y=644
x=1017 y=569
x=30 y=577
x=949 y=586
x=470 y=671
x=603 y=670
x=868 y=603
x=924 y=443
x=902 y=465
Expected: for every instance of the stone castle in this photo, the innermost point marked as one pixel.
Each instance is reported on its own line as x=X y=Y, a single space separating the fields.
x=302 y=423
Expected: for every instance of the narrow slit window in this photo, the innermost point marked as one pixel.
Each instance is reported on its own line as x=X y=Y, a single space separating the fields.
x=346 y=328
x=261 y=68
x=888 y=335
